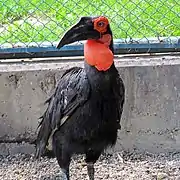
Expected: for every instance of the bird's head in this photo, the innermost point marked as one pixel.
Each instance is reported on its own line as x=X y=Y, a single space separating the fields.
x=98 y=50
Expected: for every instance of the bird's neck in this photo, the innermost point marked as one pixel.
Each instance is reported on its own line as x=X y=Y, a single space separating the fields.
x=101 y=80
x=98 y=54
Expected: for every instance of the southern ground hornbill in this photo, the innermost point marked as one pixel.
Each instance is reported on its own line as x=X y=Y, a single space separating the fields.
x=83 y=115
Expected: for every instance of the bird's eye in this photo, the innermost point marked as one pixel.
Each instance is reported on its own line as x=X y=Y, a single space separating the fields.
x=101 y=24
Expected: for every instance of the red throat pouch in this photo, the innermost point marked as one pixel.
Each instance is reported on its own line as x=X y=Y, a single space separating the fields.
x=98 y=54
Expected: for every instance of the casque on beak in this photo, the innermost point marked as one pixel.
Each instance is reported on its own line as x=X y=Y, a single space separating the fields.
x=83 y=30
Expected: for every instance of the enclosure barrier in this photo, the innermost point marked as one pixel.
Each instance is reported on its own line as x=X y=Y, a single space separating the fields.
x=33 y=28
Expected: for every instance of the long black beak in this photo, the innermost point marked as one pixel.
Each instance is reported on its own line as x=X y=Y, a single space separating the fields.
x=83 y=30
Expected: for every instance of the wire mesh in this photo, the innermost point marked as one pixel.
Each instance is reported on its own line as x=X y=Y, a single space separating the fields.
x=40 y=21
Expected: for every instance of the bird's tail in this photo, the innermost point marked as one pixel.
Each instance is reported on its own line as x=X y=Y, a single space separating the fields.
x=43 y=135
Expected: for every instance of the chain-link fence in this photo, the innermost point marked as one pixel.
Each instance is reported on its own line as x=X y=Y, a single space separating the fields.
x=39 y=23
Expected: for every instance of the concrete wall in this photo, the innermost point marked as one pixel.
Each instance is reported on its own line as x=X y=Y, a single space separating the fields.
x=151 y=114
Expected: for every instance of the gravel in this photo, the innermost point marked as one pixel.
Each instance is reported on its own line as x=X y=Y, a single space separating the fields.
x=122 y=165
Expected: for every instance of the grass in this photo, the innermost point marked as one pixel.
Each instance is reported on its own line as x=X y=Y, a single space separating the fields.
x=46 y=20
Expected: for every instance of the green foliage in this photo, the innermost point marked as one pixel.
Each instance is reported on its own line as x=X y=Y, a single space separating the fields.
x=46 y=20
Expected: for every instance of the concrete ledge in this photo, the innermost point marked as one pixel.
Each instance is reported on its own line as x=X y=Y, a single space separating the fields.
x=151 y=114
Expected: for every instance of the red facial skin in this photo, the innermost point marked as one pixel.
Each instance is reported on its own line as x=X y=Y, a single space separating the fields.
x=97 y=52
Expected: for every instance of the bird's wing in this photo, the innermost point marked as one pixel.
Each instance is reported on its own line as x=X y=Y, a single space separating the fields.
x=71 y=92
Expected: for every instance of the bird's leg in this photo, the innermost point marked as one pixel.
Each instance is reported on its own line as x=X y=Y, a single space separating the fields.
x=90 y=169
x=66 y=174
x=63 y=157
x=91 y=158
x=64 y=165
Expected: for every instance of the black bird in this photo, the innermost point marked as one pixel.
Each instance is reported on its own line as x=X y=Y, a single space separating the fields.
x=83 y=115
